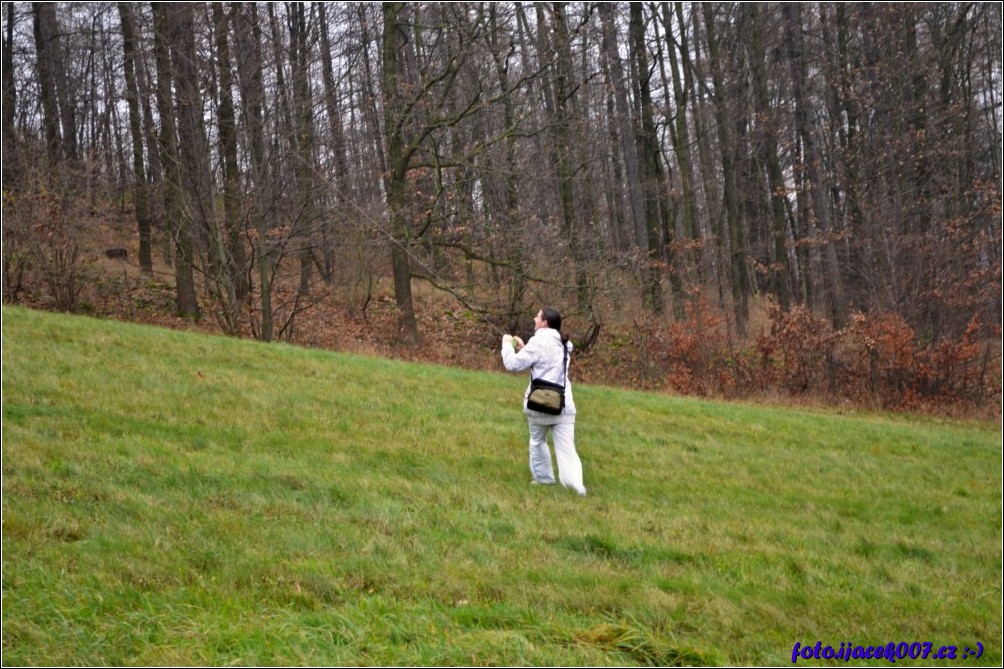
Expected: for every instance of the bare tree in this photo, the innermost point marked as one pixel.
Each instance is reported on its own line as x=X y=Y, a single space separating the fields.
x=180 y=223
x=47 y=49
x=9 y=94
x=416 y=109
x=140 y=189
x=624 y=125
x=229 y=165
x=337 y=149
x=737 y=262
x=248 y=39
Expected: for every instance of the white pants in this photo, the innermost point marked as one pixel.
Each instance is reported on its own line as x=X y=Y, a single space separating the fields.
x=569 y=465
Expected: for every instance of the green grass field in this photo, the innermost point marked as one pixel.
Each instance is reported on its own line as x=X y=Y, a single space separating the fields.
x=178 y=499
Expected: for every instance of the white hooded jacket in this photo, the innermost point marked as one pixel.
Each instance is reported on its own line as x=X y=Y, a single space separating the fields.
x=544 y=356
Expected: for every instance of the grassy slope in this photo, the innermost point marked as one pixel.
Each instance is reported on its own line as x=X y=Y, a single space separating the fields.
x=177 y=498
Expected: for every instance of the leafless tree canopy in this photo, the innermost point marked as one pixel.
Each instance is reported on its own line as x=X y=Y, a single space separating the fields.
x=844 y=158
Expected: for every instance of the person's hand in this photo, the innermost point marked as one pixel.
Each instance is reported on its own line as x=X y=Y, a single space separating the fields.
x=519 y=344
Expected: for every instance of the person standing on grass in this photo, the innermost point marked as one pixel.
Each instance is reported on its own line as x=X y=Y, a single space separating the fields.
x=544 y=355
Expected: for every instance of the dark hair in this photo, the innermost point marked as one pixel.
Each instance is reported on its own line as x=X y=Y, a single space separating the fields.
x=553 y=318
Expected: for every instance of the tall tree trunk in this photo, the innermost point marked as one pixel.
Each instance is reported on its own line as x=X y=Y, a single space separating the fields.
x=370 y=94
x=303 y=155
x=179 y=222
x=195 y=169
x=136 y=130
x=247 y=34
x=837 y=305
x=926 y=266
x=44 y=15
x=680 y=134
x=737 y=261
x=517 y=285
x=539 y=84
x=618 y=232
x=649 y=162
x=713 y=210
x=154 y=171
x=398 y=158
x=338 y=147
x=117 y=162
x=227 y=127
x=58 y=105
x=562 y=149
x=624 y=126
x=12 y=157
x=777 y=194
x=860 y=263
x=656 y=170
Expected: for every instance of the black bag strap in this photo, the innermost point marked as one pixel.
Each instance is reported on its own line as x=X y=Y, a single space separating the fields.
x=564 y=345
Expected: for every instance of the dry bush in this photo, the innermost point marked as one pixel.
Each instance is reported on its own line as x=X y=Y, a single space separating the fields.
x=796 y=355
x=876 y=361
x=689 y=356
x=881 y=363
x=41 y=246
